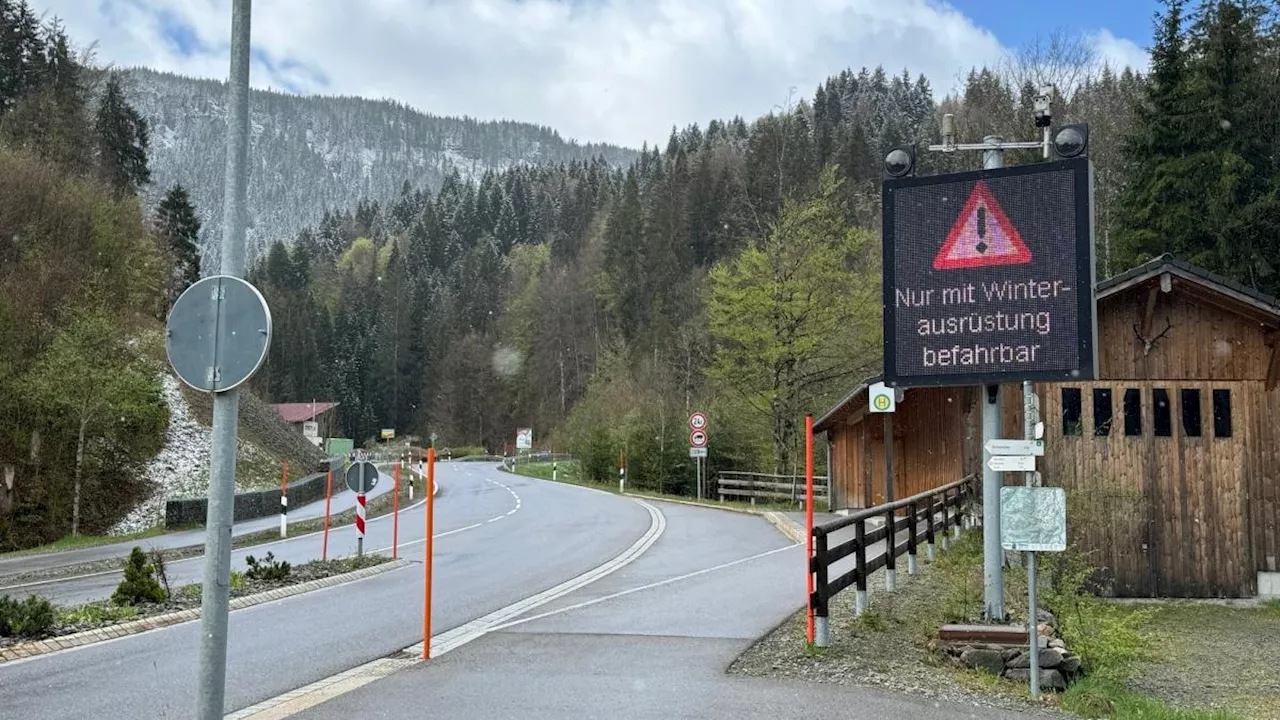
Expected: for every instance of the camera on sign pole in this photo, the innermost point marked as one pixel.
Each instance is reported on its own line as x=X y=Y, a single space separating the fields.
x=1041 y=106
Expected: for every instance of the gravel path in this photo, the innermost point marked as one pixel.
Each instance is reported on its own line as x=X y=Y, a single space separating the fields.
x=1213 y=655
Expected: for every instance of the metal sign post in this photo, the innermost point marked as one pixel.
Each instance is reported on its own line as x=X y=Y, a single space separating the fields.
x=698 y=449
x=989 y=279
x=362 y=477
x=211 y=691
x=883 y=400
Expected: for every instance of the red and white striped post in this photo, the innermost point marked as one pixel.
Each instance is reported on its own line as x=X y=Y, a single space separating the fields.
x=360 y=511
x=284 y=501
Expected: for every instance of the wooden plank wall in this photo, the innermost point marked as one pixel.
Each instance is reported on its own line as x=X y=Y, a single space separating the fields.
x=931 y=438
x=1264 y=487
x=1162 y=516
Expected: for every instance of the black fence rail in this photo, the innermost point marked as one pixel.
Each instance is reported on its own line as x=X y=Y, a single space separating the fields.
x=922 y=517
x=734 y=485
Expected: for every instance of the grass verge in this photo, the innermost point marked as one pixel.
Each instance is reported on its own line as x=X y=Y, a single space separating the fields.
x=567 y=472
x=71 y=542
x=91 y=616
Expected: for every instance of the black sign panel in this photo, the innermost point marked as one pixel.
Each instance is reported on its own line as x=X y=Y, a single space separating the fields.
x=988 y=276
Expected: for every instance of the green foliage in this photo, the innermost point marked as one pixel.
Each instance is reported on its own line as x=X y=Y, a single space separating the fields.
x=28 y=618
x=1108 y=638
x=797 y=316
x=122 y=140
x=97 y=614
x=1094 y=697
x=1205 y=184
x=179 y=228
x=268 y=568
x=89 y=380
x=236 y=580
x=139 y=584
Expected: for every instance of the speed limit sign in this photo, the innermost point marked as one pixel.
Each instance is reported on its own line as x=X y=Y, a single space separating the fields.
x=698 y=421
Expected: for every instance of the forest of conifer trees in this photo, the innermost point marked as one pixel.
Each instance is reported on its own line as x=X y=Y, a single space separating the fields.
x=599 y=305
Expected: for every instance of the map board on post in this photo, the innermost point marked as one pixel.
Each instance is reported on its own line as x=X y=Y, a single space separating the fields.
x=989 y=276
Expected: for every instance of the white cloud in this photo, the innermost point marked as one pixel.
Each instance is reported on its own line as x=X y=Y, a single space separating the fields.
x=1120 y=52
x=620 y=71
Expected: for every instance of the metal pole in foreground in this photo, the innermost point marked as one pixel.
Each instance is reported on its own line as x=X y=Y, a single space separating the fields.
x=890 y=520
x=430 y=489
x=992 y=554
x=226 y=405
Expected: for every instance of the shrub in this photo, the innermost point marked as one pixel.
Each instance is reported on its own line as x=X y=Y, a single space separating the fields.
x=139 y=584
x=27 y=618
x=268 y=568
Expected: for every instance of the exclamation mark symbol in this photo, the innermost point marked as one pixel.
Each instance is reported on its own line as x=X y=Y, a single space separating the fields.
x=982 y=230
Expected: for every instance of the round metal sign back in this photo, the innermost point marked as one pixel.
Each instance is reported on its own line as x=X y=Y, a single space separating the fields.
x=362 y=476
x=218 y=333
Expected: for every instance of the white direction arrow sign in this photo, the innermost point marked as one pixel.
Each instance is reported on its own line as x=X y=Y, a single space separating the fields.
x=1015 y=447
x=1012 y=463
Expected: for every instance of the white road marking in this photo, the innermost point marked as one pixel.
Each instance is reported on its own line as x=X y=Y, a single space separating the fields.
x=320 y=691
x=650 y=586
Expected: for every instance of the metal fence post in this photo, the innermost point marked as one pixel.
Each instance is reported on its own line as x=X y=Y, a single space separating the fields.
x=860 y=600
x=912 y=567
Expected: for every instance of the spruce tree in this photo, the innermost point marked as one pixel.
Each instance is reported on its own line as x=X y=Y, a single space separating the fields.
x=123 y=138
x=179 y=228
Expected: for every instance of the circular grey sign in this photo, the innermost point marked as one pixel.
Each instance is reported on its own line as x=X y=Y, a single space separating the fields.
x=362 y=471
x=218 y=333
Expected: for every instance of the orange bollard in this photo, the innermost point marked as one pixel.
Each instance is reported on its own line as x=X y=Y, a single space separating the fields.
x=426 y=564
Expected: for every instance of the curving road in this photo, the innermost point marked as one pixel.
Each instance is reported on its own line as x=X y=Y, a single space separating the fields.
x=499 y=539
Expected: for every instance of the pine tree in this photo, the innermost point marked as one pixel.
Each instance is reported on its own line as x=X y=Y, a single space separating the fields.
x=122 y=140
x=179 y=228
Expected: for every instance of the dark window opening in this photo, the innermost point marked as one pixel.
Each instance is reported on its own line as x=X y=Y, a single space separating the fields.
x=1102 y=416
x=1191 y=413
x=1222 y=413
x=1071 y=412
x=1163 y=413
x=1132 y=412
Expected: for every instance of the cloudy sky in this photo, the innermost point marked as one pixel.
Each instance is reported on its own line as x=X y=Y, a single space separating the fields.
x=621 y=71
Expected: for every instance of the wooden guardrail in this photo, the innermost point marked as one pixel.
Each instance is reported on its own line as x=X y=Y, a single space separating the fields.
x=919 y=515
x=732 y=485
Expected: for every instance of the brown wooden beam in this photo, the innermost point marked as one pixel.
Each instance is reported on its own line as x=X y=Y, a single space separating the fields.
x=1273 y=368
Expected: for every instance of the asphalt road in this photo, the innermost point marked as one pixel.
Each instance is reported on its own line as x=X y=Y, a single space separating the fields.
x=500 y=538
x=343 y=499
x=650 y=641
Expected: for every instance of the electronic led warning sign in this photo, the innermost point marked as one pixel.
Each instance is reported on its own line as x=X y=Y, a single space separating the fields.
x=982 y=236
x=988 y=276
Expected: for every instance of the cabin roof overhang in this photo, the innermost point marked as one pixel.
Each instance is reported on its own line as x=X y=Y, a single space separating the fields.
x=1206 y=286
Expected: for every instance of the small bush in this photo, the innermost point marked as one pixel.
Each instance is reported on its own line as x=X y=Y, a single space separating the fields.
x=1107 y=637
x=27 y=618
x=139 y=584
x=236 y=581
x=190 y=591
x=268 y=568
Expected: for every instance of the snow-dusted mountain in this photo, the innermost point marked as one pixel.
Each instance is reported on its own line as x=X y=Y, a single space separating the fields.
x=309 y=153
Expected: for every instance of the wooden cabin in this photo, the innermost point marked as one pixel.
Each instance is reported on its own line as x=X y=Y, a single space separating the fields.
x=1170 y=460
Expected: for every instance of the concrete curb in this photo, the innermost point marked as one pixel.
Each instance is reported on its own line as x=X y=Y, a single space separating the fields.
x=134 y=627
x=785 y=526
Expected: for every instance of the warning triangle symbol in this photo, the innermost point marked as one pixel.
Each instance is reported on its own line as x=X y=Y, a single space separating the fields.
x=982 y=236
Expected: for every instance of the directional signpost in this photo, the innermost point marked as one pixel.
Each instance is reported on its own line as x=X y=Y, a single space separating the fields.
x=698 y=446
x=362 y=476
